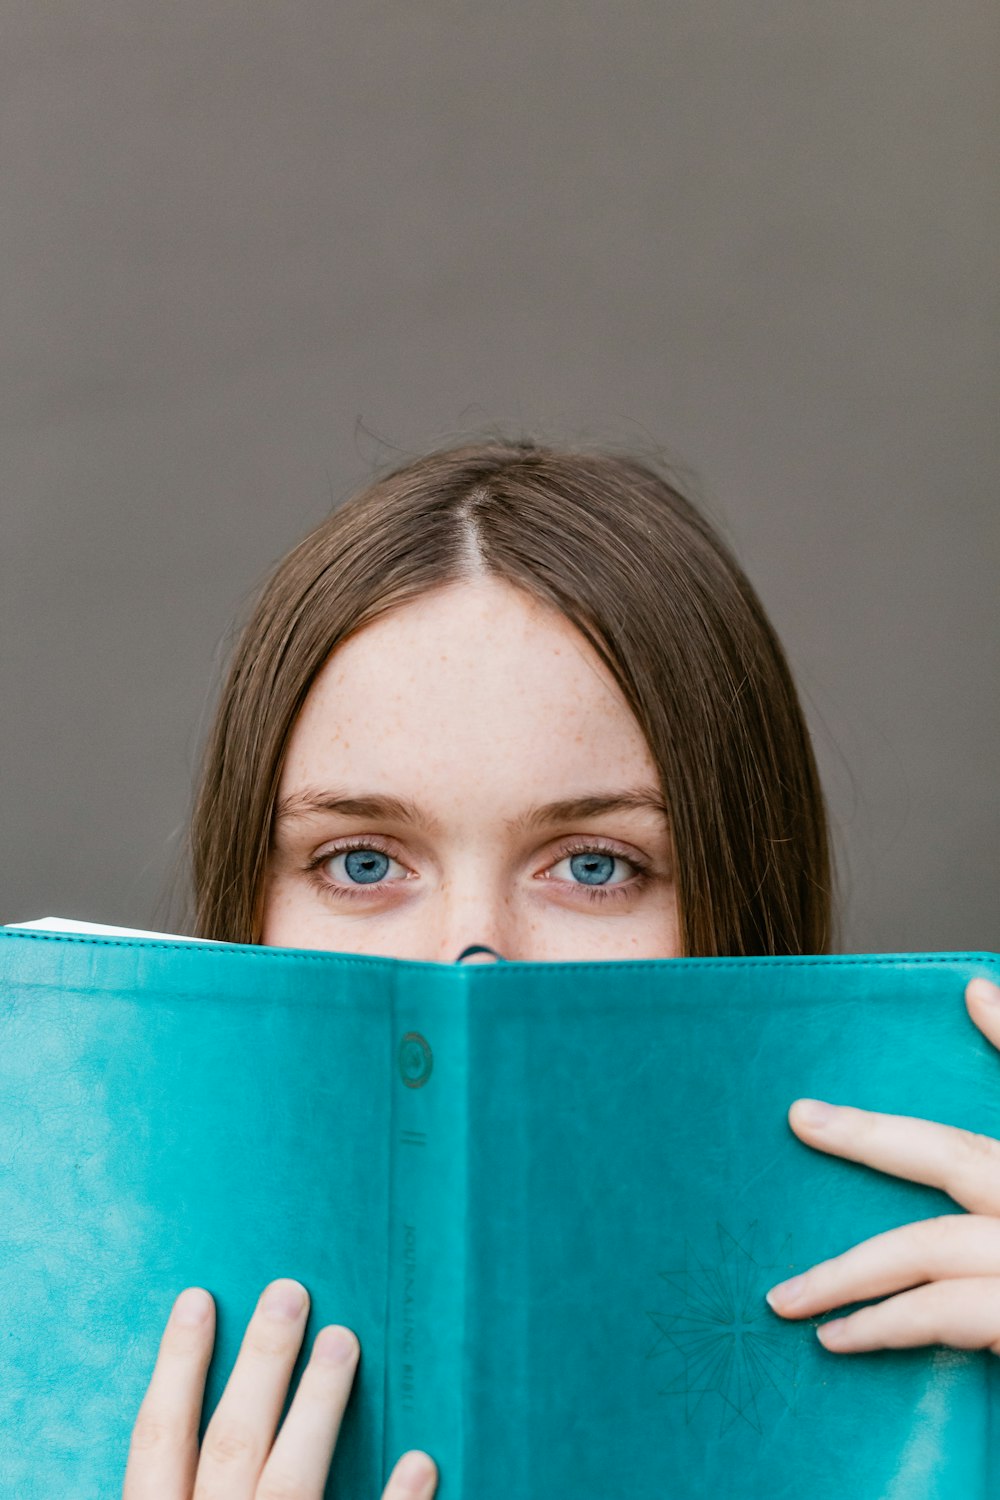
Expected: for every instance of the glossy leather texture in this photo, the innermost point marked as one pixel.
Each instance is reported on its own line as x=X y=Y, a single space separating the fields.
x=548 y=1198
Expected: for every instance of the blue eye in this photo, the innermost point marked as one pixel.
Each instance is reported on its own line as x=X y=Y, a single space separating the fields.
x=598 y=870
x=592 y=868
x=360 y=872
x=365 y=866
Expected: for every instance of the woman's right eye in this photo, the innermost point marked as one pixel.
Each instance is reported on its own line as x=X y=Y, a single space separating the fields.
x=361 y=866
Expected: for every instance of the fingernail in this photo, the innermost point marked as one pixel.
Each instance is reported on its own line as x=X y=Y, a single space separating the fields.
x=335 y=1346
x=414 y=1472
x=985 y=990
x=284 y=1300
x=784 y=1296
x=192 y=1307
x=832 y=1333
x=814 y=1112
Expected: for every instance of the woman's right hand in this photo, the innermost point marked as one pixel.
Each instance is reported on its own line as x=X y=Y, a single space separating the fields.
x=240 y=1457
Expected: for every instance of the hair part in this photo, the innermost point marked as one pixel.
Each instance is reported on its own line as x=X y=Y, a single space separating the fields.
x=615 y=548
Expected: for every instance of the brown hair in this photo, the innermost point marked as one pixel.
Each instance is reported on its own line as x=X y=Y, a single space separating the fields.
x=616 y=549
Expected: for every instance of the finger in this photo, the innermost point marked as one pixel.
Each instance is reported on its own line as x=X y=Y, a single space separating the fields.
x=964 y=1314
x=950 y=1246
x=239 y=1436
x=414 y=1478
x=163 y=1453
x=963 y=1164
x=982 y=998
x=299 y=1462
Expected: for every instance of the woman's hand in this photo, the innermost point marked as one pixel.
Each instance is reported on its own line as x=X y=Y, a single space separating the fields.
x=944 y=1272
x=240 y=1457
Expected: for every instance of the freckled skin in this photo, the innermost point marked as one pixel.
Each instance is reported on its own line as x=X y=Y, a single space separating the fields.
x=475 y=704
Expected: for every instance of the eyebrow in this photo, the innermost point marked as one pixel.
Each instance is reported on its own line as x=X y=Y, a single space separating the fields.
x=591 y=805
x=368 y=807
x=374 y=808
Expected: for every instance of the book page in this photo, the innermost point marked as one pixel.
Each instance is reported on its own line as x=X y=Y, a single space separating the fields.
x=71 y=924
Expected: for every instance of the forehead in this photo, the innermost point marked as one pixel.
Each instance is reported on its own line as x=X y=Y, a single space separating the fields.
x=476 y=685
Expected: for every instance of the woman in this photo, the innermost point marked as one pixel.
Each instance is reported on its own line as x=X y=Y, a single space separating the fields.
x=524 y=699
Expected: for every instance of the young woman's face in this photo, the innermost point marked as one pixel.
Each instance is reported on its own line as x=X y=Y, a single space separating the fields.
x=465 y=771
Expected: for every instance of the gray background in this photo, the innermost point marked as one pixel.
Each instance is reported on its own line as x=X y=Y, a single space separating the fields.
x=248 y=252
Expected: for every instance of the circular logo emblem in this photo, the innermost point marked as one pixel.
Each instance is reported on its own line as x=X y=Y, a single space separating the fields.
x=416 y=1060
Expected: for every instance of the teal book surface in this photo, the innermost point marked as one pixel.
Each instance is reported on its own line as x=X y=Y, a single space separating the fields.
x=548 y=1198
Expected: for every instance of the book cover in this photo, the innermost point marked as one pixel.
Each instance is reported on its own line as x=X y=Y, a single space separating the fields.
x=548 y=1198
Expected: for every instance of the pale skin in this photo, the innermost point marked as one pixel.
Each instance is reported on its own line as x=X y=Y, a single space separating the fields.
x=465 y=771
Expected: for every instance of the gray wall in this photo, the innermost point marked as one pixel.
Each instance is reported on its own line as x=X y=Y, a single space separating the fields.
x=249 y=251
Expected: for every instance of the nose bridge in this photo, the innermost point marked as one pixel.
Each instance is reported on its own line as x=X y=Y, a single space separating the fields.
x=475 y=912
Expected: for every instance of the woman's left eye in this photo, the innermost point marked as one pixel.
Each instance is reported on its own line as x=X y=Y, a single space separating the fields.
x=592 y=867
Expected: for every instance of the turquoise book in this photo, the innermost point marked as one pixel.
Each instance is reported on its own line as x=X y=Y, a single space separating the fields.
x=548 y=1198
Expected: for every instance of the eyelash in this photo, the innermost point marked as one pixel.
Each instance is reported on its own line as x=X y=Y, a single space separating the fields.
x=595 y=894
x=346 y=892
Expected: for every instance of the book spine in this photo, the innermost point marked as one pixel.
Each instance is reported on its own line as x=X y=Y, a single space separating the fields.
x=426 y=1314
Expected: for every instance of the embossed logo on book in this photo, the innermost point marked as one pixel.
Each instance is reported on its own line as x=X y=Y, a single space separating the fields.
x=416 y=1060
x=718 y=1344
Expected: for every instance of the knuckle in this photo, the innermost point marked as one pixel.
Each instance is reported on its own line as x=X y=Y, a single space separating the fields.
x=229 y=1444
x=280 y=1486
x=973 y=1152
x=984 y=1147
x=323 y=1388
x=930 y=1237
x=186 y=1343
x=862 y=1126
x=263 y=1341
x=151 y=1432
x=935 y=1299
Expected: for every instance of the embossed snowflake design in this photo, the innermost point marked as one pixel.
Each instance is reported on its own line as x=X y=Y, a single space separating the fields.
x=734 y=1354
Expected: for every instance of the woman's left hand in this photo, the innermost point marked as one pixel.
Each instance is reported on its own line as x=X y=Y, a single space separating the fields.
x=940 y=1277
